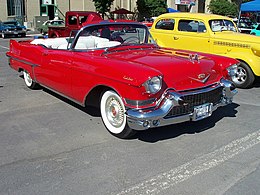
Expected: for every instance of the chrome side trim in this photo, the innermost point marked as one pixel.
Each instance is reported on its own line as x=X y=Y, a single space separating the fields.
x=61 y=94
x=23 y=61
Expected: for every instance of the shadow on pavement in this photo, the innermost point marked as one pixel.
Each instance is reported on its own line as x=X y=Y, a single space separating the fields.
x=175 y=130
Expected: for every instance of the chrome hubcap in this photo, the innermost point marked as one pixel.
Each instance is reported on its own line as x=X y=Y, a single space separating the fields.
x=114 y=112
x=240 y=76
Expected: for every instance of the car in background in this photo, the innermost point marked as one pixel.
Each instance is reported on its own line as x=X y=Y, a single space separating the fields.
x=135 y=84
x=43 y=29
x=213 y=34
x=12 y=29
x=255 y=30
x=244 y=25
x=148 y=22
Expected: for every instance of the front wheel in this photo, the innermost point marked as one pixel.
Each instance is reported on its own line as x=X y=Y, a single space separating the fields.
x=244 y=77
x=29 y=81
x=113 y=115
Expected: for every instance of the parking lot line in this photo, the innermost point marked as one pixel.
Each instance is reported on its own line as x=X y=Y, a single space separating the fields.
x=4 y=47
x=168 y=179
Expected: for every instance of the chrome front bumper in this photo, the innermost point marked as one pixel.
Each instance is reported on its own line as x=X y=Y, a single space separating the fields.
x=139 y=119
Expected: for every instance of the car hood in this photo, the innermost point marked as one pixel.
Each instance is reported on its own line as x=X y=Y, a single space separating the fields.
x=237 y=37
x=181 y=70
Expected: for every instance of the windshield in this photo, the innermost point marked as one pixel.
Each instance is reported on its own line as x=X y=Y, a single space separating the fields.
x=222 y=25
x=110 y=35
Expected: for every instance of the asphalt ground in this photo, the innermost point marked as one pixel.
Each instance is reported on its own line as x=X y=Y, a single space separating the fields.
x=49 y=145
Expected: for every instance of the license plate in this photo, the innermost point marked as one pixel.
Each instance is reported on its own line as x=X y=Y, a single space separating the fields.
x=202 y=111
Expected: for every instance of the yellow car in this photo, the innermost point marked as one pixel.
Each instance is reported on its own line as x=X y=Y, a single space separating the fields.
x=214 y=34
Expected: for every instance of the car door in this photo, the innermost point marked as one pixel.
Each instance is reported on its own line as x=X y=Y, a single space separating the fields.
x=163 y=32
x=192 y=35
x=54 y=70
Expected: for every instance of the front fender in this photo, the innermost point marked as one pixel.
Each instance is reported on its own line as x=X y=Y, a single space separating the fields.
x=249 y=58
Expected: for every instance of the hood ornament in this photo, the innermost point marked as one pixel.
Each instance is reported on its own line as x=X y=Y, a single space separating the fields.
x=202 y=78
x=194 y=58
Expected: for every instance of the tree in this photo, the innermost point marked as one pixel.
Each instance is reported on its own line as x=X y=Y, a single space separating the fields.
x=223 y=7
x=103 y=6
x=149 y=8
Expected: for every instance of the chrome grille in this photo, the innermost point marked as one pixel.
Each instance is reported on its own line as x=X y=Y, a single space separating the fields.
x=195 y=99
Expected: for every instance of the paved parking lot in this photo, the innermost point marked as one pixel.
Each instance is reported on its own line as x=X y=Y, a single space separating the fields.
x=49 y=145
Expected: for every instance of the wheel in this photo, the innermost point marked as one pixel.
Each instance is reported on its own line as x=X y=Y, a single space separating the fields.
x=244 y=77
x=23 y=35
x=113 y=115
x=28 y=81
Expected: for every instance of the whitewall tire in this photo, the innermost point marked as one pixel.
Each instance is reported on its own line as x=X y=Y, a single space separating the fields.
x=113 y=115
x=29 y=81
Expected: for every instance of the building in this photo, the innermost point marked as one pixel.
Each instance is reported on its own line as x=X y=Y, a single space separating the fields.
x=30 y=11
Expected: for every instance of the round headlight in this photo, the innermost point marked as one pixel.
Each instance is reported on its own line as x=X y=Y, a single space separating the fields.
x=232 y=70
x=153 y=85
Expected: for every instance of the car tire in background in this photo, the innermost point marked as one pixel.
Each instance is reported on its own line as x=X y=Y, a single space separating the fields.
x=113 y=115
x=244 y=77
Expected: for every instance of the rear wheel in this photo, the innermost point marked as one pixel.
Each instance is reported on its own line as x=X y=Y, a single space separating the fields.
x=29 y=81
x=244 y=77
x=113 y=115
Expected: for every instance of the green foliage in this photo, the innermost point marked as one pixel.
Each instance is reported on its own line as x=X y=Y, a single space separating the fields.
x=223 y=7
x=103 y=6
x=149 y=8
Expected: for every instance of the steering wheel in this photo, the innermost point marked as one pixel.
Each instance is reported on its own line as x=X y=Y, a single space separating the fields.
x=131 y=40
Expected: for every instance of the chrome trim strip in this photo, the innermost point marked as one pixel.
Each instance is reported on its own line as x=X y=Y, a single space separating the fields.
x=23 y=61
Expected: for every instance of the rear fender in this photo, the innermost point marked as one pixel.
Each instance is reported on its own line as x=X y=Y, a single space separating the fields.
x=17 y=61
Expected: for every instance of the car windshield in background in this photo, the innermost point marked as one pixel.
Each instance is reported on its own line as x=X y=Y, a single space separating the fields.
x=56 y=22
x=222 y=25
x=109 y=35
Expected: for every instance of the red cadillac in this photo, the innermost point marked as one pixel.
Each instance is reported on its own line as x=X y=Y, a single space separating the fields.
x=118 y=68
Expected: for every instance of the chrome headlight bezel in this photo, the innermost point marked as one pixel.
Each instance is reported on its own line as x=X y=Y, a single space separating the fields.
x=153 y=85
x=232 y=70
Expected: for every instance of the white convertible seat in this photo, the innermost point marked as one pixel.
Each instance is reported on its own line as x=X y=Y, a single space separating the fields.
x=90 y=42
x=108 y=44
x=51 y=42
x=87 y=42
x=64 y=46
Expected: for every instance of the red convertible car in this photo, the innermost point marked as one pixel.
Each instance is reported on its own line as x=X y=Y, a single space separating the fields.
x=120 y=69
